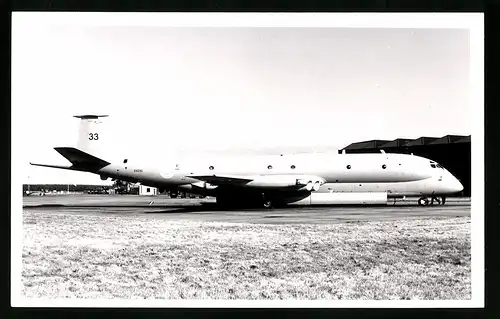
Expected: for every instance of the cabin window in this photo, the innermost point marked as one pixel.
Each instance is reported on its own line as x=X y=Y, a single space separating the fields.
x=292 y=167
x=125 y=161
x=433 y=165
x=148 y=190
x=211 y=168
x=270 y=167
x=384 y=166
x=348 y=166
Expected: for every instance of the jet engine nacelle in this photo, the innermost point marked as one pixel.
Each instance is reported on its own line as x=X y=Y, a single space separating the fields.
x=312 y=183
x=312 y=186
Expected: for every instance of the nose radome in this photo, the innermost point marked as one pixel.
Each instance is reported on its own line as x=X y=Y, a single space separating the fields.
x=457 y=186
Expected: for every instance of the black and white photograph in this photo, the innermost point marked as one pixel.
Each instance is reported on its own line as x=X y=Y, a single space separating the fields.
x=247 y=159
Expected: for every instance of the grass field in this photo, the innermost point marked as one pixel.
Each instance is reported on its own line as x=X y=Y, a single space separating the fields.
x=130 y=257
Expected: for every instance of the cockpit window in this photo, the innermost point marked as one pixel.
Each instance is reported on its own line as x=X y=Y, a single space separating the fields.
x=434 y=165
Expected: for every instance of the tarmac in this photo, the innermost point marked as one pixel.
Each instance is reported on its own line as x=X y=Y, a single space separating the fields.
x=163 y=207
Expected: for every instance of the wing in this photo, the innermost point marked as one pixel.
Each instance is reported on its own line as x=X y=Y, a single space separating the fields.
x=264 y=181
x=223 y=180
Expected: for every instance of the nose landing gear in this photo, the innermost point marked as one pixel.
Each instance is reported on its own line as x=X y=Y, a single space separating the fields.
x=429 y=200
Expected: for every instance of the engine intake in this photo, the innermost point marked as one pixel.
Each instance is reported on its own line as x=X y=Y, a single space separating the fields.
x=310 y=184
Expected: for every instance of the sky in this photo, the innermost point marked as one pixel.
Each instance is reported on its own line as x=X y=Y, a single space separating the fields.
x=191 y=91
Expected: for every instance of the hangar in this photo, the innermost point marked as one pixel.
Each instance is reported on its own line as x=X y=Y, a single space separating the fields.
x=451 y=151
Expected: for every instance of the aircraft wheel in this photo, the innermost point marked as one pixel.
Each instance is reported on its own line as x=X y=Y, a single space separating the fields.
x=267 y=204
x=438 y=200
x=423 y=201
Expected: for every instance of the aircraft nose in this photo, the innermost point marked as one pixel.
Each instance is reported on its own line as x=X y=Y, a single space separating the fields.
x=455 y=185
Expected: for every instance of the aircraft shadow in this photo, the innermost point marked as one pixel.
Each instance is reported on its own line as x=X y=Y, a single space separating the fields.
x=214 y=208
x=207 y=209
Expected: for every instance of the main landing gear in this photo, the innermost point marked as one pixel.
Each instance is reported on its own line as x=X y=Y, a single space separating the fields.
x=266 y=202
x=426 y=200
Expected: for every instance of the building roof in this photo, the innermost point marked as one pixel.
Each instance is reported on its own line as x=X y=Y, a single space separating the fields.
x=452 y=139
x=397 y=143
x=366 y=144
x=400 y=142
x=464 y=140
x=422 y=141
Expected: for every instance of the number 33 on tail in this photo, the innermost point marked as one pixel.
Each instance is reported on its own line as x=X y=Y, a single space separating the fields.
x=93 y=136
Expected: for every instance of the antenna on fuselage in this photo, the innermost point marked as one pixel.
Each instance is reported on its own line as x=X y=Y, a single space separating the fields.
x=382 y=151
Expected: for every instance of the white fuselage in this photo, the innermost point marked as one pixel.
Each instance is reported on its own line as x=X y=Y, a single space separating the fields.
x=394 y=174
x=305 y=179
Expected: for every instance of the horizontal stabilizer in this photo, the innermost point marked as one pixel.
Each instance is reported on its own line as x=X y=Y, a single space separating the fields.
x=89 y=116
x=222 y=180
x=81 y=161
x=52 y=166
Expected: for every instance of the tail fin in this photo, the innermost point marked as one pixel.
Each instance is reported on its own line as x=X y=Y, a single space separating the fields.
x=90 y=134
